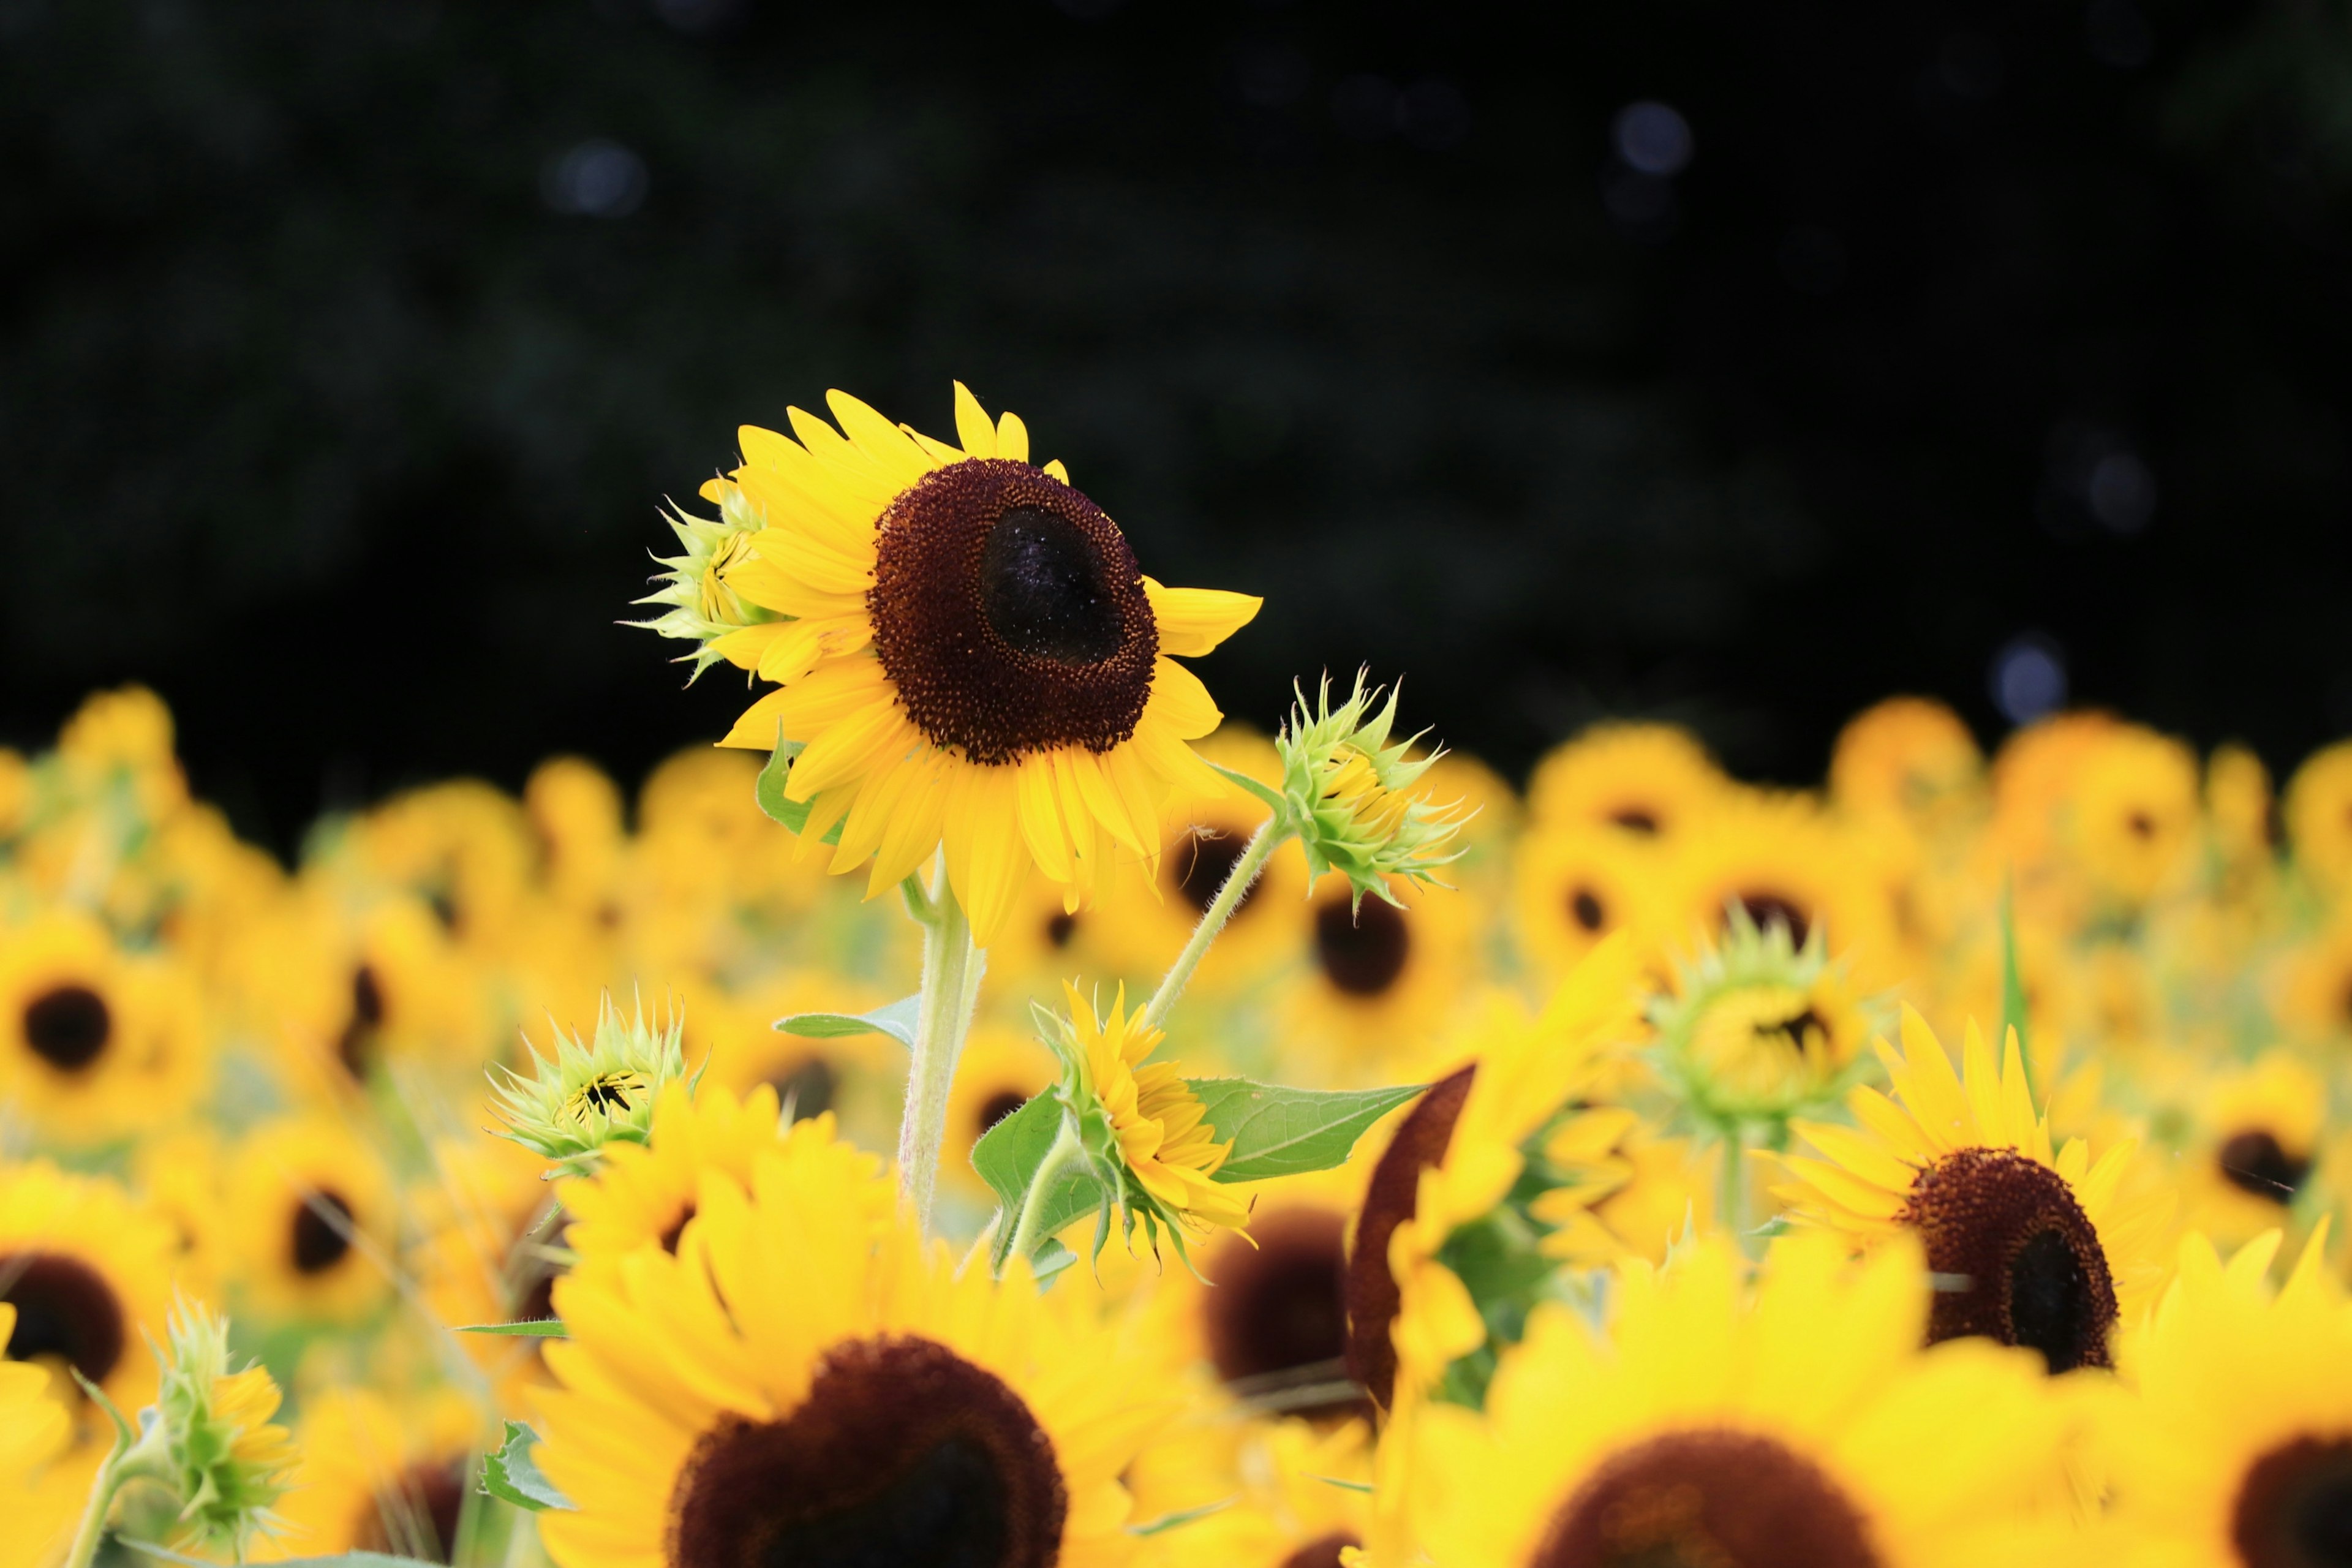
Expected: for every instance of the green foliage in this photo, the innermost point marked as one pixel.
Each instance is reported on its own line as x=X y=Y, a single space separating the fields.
x=1280 y=1132
x=896 y=1020
x=510 y=1475
x=792 y=814
x=531 y=1328
x=1009 y=1157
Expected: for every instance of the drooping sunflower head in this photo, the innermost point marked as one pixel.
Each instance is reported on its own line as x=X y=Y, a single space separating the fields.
x=213 y=1442
x=968 y=653
x=1800 y=1427
x=595 y=1091
x=845 y=1397
x=2029 y=1247
x=1757 y=1026
x=1144 y=1122
x=1356 y=794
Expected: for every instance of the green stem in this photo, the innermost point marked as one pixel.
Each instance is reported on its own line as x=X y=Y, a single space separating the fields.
x=951 y=971
x=1221 y=908
x=1066 y=1152
x=1731 y=1202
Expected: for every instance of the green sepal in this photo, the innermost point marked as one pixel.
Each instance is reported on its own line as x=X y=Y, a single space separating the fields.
x=1272 y=797
x=512 y=1475
x=792 y=814
x=529 y=1328
x=896 y=1020
x=1276 y=1131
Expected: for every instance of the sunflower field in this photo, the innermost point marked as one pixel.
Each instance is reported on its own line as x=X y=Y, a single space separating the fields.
x=992 y=1112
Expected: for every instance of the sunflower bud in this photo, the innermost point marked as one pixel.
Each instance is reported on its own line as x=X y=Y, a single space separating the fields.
x=212 y=1461
x=1351 y=793
x=698 y=605
x=1758 y=1028
x=594 y=1092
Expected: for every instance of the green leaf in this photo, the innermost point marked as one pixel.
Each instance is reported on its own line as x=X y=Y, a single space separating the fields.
x=512 y=1475
x=340 y=1559
x=792 y=814
x=1181 y=1516
x=1051 y=1258
x=533 y=1329
x=1279 y=1132
x=1363 y=1487
x=1272 y=797
x=2013 y=989
x=1007 y=1158
x=896 y=1020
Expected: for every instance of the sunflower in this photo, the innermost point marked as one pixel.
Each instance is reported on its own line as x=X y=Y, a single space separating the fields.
x=1805 y=1431
x=575 y=815
x=89 y=1272
x=643 y=1194
x=1380 y=980
x=2317 y=812
x=312 y=1216
x=2257 y=1145
x=1782 y=861
x=2036 y=1249
x=1647 y=780
x=2131 y=814
x=377 y=1477
x=2238 y=1452
x=1293 y=1498
x=35 y=1433
x=972 y=659
x=1758 y=1027
x=98 y=1045
x=1164 y=1136
x=793 y=1386
x=463 y=847
x=1909 y=758
x=2315 y=982
x=1572 y=886
x=999 y=1071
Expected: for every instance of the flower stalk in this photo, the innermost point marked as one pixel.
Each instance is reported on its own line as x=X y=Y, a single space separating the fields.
x=952 y=968
x=1254 y=856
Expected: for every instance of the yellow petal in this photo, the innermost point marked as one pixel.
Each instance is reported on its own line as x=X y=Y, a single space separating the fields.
x=1041 y=817
x=879 y=439
x=1013 y=438
x=1193 y=621
x=972 y=429
x=1054 y=470
x=1180 y=700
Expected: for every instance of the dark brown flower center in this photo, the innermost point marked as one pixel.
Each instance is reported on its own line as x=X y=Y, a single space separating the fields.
x=670 y=1235
x=1009 y=614
x=2294 y=1507
x=1362 y=950
x=1390 y=1197
x=1707 y=1499
x=1796 y=1032
x=1636 y=819
x=1585 y=908
x=1323 y=1553
x=999 y=1106
x=416 y=1515
x=903 y=1453
x=1060 y=926
x=1278 y=1314
x=320 y=1236
x=68 y=1026
x=1200 y=868
x=357 y=1047
x=64 y=1308
x=808 y=1089
x=1768 y=908
x=2021 y=1262
x=2259 y=1163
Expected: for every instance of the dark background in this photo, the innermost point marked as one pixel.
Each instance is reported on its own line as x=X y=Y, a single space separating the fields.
x=346 y=349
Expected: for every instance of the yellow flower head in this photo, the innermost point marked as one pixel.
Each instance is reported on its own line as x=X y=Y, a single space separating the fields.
x=1354 y=794
x=967 y=657
x=212 y=1447
x=1759 y=1027
x=1159 y=1127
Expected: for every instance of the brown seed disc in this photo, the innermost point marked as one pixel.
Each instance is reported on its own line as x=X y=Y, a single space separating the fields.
x=65 y=1308
x=1278 y=1313
x=314 y=1243
x=1199 y=869
x=1707 y=1499
x=2021 y=1262
x=2257 y=1162
x=1009 y=614
x=69 y=1026
x=1323 y=1553
x=2294 y=1507
x=1767 y=906
x=902 y=1452
x=1421 y=1141
x=1361 y=950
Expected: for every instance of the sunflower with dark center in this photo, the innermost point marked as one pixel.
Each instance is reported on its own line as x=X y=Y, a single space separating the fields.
x=66 y=1034
x=970 y=656
x=863 y=1404
x=1759 y=1027
x=1380 y=978
x=376 y=1476
x=89 y=1272
x=2256 y=1149
x=1573 y=885
x=2238 y=1453
x=1645 y=782
x=2029 y=1247
x=312 y=1214
x=1706 y=1430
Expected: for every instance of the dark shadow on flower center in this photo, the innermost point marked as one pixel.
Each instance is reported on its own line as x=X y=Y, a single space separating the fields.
x=1362 y=951
x=1768 y=908
x=904 y=1453
x=1043 y=584
x=357 y=1045
x=2257 y=1162
x=1635 y=819
x=1707 y=1499
x=319 y=1242
x=69 y=1026
x=1585 y=908
x=1202 y=866
x=64 y=1308
x=2020 y=1261
x=2294 y=1507
x=417 y=1512
x=808 y=1089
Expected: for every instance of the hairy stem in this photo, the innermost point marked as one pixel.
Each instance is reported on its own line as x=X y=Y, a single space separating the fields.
x=1261 y=848
x=1066 y=1151
x=951 y=971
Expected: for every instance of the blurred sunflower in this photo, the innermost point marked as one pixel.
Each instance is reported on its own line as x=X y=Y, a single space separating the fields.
x=999 y=1071
x=2035 y=1248
x=2317 y=815
x=1647 y=780
x=1807 y=1429
x=380 y=1476
x=96 y=1045
x=839 y=1396
x=972 y=659
x=35 y=1433
x=1758 y=1027
x=2256 y=1148
x=576 y=826
x=1574 y=885
x=645 y=1194
x=88 y=1272
x=2131 y=814
x=1910 y=759
x=1784 y=862
x=1381 y=977
x=312 y=1220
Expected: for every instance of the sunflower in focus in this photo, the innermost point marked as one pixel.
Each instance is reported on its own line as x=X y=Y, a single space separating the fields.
x=2238 y=1452
x=840 y=1396
x=376 y=1476
x=1647 y=780
x=2035 y=1247
x=969 y=657
x=313 y=1221
x=1804 y=1429
x=643 y=1194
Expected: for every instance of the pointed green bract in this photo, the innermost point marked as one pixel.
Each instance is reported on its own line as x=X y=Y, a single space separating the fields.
x=697 y=604
x=595 y=1091
x=1347 y=791
x=512 y=1475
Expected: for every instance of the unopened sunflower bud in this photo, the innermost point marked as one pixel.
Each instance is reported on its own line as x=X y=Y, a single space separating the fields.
x=699 y=604
x=595 y=1091
x=212 y=1460
x=1351 y=791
